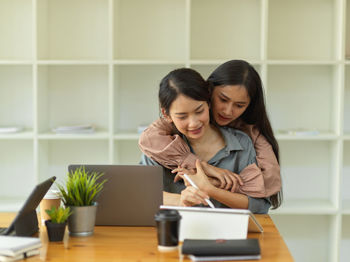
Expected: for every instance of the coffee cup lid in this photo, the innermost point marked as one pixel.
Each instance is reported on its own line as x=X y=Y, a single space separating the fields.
x=167 y=214
x=52 y=194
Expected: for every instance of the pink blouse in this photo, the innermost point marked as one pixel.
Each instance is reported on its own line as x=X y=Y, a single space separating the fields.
x=161 y=143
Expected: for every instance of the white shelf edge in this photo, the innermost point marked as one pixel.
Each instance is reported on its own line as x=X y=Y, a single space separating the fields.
x=73 y=62
x=148 y=62
x=219 y=61
x=301 y=211
x=16 y=62
x=11 y=205
x=100 y=135
x=305 y=207
x=320 y=137
x=346 y=137
x=303 y=62
x=20 y=136
x=126 y=136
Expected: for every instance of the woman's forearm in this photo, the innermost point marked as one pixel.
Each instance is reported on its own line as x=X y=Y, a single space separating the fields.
x=171 y=199
x=233 y=200
x=160 y=143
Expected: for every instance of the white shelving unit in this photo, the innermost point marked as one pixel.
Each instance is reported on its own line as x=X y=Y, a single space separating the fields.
x=65 y=62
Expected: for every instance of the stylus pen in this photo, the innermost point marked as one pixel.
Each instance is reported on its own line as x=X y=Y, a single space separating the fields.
x=195 y=186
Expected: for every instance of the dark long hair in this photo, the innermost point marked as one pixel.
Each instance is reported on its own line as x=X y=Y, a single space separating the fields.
x=184 y=81
x=239 y=72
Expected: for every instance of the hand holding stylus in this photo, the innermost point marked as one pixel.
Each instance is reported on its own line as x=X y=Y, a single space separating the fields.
x=195 y=186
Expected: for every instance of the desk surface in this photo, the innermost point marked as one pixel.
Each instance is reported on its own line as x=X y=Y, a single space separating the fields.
x=139 y=244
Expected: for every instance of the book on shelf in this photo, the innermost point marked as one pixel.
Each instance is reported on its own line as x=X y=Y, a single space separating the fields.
x=10 y=129
x=12 y=246
x=20 y=256
x=221 y=249
x=74 y=129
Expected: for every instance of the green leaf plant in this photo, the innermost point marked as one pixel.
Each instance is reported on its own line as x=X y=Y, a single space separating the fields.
x=81 y=188
x=58 y=215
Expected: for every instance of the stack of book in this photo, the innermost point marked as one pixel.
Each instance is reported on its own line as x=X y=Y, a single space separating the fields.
x=221 y=249
x=16 y=248
x=77 y=129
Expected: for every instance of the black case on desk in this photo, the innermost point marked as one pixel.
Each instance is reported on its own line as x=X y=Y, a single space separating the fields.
x=221 y=247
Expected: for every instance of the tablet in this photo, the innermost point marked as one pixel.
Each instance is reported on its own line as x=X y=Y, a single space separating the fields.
x=213 y=223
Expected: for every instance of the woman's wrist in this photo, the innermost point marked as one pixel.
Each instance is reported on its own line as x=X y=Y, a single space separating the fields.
x=209 y=189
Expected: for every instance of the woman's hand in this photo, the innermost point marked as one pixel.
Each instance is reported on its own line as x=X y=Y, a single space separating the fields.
x=181 y=171
x=228 y=180
x=191 y=196
x=200 y=179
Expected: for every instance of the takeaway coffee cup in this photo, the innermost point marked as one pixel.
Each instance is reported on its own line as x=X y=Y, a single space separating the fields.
x=168 y=224
x=50 y=199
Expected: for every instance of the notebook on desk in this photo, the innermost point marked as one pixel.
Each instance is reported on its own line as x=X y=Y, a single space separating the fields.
x=26 y=221
x=130 y=197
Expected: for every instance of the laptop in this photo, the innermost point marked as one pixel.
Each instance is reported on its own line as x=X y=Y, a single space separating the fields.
x=26 y=221
x=130 y=197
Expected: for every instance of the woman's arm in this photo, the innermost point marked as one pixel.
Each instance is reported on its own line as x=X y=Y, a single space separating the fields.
x=233 y=200
x=160 y=143
x=266 y=159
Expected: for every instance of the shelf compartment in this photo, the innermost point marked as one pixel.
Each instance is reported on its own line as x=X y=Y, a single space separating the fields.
x=305 y=234
x=290 y=86
x=153 y=29
x=346 y=207
x=16 y=30
x=347 y=99
x=347 y=31
x=316 y=165
x=301 y=30
x=17 y=164
x=346 y=177
x=211 y=38
x=72 y=29
x=136 y=95
x=72 y=95
x=55 y=156
x=345 y=239
x=16 y=96
x=126 y=152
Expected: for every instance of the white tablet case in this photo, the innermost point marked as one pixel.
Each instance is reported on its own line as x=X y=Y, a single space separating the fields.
x=208 y=223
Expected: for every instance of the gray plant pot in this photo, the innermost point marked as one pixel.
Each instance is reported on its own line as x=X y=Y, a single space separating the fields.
x=82 y=220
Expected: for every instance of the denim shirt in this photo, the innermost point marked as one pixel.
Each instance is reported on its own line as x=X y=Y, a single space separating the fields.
x=237 y=154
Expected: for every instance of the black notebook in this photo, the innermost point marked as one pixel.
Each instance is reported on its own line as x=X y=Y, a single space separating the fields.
x=221 y=249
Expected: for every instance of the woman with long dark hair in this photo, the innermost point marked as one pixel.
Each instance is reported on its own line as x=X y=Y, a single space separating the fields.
x=184 y=98
x=237 y=100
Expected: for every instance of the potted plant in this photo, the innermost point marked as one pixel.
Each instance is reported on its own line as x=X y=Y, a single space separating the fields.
x=56 y=225
x=80 y=193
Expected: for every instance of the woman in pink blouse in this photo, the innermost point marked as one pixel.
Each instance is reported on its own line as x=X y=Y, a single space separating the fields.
x=237 y=101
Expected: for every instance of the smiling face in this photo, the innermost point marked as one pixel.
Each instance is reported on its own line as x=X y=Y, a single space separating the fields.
x=228 y=103
x=190 y=117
